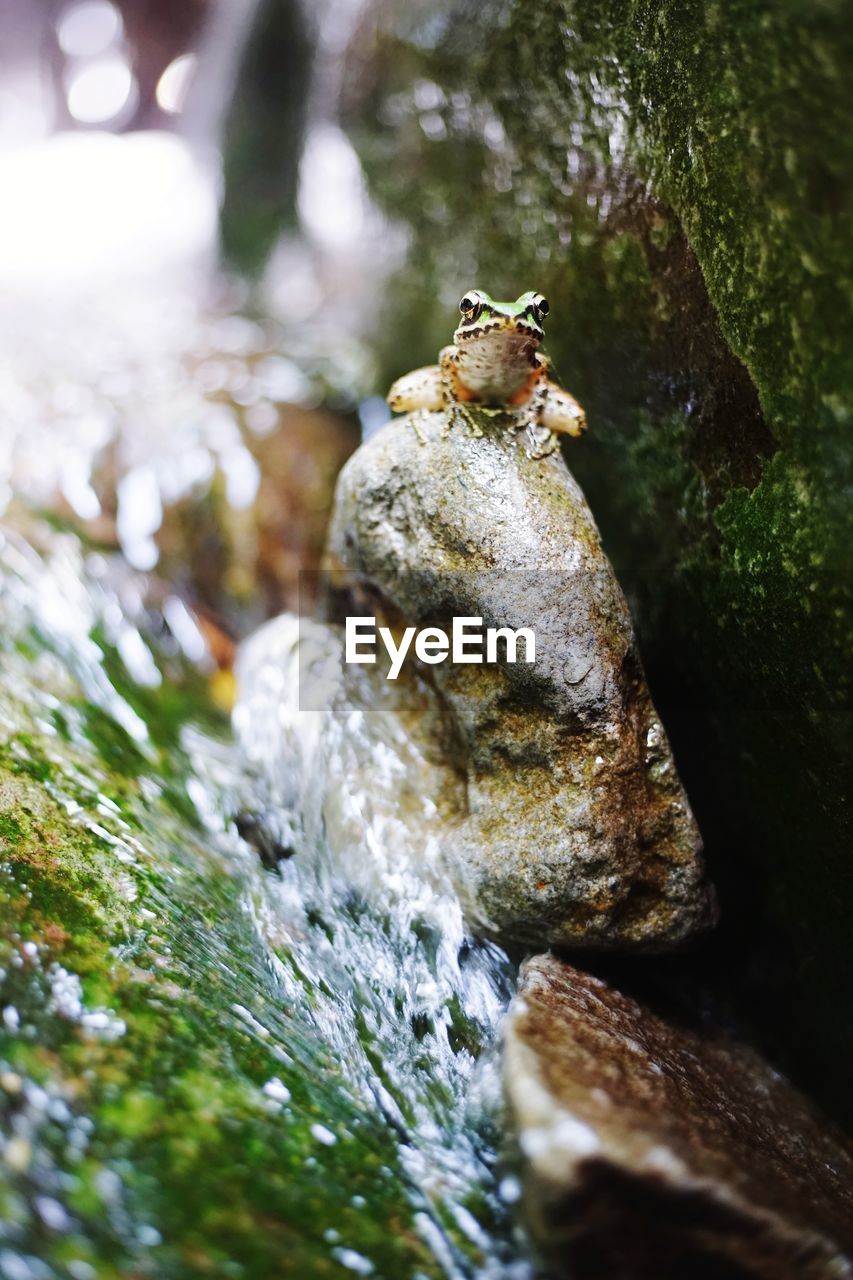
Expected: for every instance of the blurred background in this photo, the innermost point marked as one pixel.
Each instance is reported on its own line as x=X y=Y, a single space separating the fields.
x=188 y=255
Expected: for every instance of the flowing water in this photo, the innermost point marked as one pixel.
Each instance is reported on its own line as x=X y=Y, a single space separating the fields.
x=207 y=1064
x=407 y=998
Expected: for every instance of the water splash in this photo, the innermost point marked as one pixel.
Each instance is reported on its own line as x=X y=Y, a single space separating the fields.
x=405 y=993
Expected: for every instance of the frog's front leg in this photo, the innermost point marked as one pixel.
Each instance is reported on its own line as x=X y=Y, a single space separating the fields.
x=455 y=393
x=561 y=412
x=420 y=389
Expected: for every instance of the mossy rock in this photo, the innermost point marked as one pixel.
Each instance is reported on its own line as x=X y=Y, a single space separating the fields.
x=169 y=1105
x=676 y=177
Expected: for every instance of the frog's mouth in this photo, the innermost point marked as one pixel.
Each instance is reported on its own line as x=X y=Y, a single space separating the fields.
x=495 y=358
x=500 y=327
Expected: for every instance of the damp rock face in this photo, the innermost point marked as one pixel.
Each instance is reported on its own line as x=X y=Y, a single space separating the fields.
x=673 y=178
x=567 y=822
x=653 y=1151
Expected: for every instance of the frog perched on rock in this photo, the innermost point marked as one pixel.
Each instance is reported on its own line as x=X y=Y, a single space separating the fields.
x=542 y=787
x=494 y=369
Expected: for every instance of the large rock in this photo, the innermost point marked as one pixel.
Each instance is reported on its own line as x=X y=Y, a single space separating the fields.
x=562 y=818
x=654 y=1151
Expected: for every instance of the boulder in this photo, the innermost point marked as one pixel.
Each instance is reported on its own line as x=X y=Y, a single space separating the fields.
x=675 y=178
x=653 y=1150
x=562 y=819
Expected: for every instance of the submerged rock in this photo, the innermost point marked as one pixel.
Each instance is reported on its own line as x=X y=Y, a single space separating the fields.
x=654 y=1151
x=553 y=796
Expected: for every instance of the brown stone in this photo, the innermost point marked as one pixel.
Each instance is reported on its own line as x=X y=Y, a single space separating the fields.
x=652 y=1150
x=567 y=822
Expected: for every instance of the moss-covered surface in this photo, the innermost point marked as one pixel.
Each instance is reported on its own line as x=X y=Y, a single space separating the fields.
x=676 y=176
x=142 y=1017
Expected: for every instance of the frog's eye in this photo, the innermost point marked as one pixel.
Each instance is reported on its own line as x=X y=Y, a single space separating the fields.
x=540 y=306
x=471 y=306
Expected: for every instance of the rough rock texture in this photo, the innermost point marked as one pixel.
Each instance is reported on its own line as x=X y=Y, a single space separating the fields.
x=571 y=825
x=654 y=1151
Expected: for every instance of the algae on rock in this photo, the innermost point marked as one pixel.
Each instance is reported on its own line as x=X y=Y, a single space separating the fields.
x=168 y=1099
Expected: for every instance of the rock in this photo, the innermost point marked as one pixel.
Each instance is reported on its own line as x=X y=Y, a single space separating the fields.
x=562 y=816
x=651 y=1150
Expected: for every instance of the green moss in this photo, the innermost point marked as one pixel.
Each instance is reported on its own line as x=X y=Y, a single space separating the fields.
x=113 y=743
x=146 y=1019
x=676 y=177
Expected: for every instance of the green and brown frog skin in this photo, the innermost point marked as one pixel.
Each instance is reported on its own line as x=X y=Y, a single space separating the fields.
x=494 y=369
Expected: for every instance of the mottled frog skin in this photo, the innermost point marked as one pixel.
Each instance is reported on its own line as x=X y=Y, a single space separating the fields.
x=494 y=368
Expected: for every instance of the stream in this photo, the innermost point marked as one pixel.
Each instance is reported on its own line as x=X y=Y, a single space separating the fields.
x=349 y=1048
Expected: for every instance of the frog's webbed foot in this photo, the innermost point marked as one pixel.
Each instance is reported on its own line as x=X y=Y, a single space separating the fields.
x=417 y=419
x=420 y=389
x=561 y=412
x=467 y=417
x=541 y=441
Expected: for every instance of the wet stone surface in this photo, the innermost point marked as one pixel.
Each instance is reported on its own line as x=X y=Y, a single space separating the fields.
x=653 y=1150
x=560 y=812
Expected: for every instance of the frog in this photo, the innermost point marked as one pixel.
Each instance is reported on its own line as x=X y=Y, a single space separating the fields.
x=494 y=370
